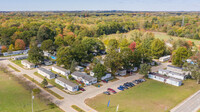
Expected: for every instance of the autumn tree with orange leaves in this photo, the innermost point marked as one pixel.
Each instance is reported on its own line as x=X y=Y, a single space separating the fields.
x=19 y=44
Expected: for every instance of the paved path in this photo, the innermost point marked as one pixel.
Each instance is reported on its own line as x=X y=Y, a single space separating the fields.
x=191 y=104
x=79 y=99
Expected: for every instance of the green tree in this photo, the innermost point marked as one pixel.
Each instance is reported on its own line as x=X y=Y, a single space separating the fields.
x=113 y=61
x=113 y=44
x=35 y=55
x=45 y=33
x=73 y=66
x=123 y=43
x=11 y=47
x=179 y=56
x=99 y=71
x=144 y=69
x=47 y=45
x=44 y=83
x=157 y=48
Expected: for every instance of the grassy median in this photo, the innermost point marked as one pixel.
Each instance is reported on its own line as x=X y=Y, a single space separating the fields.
x=14 y=68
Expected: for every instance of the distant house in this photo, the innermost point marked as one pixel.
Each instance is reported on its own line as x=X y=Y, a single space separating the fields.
x=107 y=76
x=83 y=77
x=20 y=57
x=61 y=70
x=165 y=79
x=46 y=53
x=172 y=74
x=47 y=62
x=46 y=73
x=164 y=58
x=67 y=84
x=177 y=69
x=121 y=72
x=92 y=73
x=16 y=52
x=79 y=68
x=27 y=64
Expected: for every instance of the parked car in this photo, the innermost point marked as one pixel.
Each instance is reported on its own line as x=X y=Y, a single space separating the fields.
x=82 y=89
x=111 y=90
x=106 y=92
x=136 y=81
x=142 y=80
x=105 y=81
x=121 y=88
x=131 y=84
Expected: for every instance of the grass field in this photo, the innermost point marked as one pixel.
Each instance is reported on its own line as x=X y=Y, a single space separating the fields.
x=151 y=96
x=14 y=98
x=17 y=62
x=14 y=68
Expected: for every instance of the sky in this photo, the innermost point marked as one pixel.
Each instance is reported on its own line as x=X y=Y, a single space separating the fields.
x=71 y=5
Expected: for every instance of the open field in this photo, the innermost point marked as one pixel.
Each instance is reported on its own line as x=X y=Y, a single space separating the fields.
x=151 y=96
x=14 y=98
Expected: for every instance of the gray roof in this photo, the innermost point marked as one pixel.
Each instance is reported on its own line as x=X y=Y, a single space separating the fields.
x=159 y=75
x=83 y=75
x=20 y=56
x=47 y=71
x=174 y=67
x=174 y=73
x=60 y=68
x=174 y=79
x=67 y=82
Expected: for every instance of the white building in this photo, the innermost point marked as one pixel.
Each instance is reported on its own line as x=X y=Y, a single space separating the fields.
x=61 y=70
x=67 y=84
x=83 y=77
x=107 y=76
x=15 y=52
x=172 y=74
x=79 y=68
x=46 y=73
x=177 y=69
x=174 y=81
x=27 y=64
x=20 y=57
x=47 y=63
x=164 y=58
x=165 y=79
x=121 y=72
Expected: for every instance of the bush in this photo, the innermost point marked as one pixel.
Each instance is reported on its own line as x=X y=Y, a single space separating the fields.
x=36 y=90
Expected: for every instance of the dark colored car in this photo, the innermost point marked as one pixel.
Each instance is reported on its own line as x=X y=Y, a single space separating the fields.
x=82 y=89
x=106 y=92
x=111 y=90
x=120 y=88
x=136 y=81
x=131 y=84
x=142 y=80
x=104 y=81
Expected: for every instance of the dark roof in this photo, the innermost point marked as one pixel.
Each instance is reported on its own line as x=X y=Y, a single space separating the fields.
x=60 y=68
x=159 y=75
x=46 y=71
x=67 y=82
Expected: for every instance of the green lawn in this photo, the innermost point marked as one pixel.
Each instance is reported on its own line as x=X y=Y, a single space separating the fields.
x=151 y=96
x=17 y=62
x=14 y=68
x=14 y=98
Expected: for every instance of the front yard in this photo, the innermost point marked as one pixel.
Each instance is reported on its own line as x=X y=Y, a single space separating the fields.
x=151 y=96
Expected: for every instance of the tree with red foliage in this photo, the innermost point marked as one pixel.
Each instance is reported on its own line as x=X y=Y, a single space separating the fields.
x=19 y=44
x=3 y=49
x=132 y=46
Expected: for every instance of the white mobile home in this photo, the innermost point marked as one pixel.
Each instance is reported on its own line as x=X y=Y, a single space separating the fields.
x=157 y=77
x=83 y=77
x=121 y=72
x=67 y=84
x=107 y=76
x=20 y=57
x=172 y=74
x=164 y=58
x=61 y=70
x=174 y=81
x=46 y=73
x=177 y=69
x=79 y=68
x=27 y=64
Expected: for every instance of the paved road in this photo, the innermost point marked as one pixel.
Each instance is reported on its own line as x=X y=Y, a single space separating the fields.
x=79 y=99
x=191 y=104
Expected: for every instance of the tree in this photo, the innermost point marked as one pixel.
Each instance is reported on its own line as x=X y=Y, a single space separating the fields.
x=99 y=71
x=144 y=69
x=157 y=48
x=132 y=46
x=124 y=43
x=11 y=47
x=113 y=44
x=45 y=33
x=4 y=49
x=73 y=66
x=113 y=61
x=44 y=83
x=19 y=44
x=35 y=55
x=179 y=56
x=47 y=45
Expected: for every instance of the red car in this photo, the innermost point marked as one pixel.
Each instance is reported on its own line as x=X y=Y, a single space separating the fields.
x=111 y=90
x=104 y=81
x=82 y=89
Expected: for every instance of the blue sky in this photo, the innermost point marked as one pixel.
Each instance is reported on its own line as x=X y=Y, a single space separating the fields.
x=69 y=5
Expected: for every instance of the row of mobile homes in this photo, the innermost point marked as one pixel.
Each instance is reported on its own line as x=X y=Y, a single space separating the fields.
x=20 y=57
x=172 y=74
x=165 y=79
x=15 y=52
x=67 y=84
x=61 y=70
x=46 y=73
x=177 y=70
x=164 y=58
x=83 y=77
x=27 y=64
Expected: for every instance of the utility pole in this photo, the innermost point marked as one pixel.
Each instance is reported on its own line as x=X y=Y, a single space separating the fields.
x=183 y=21
x=32 y=97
